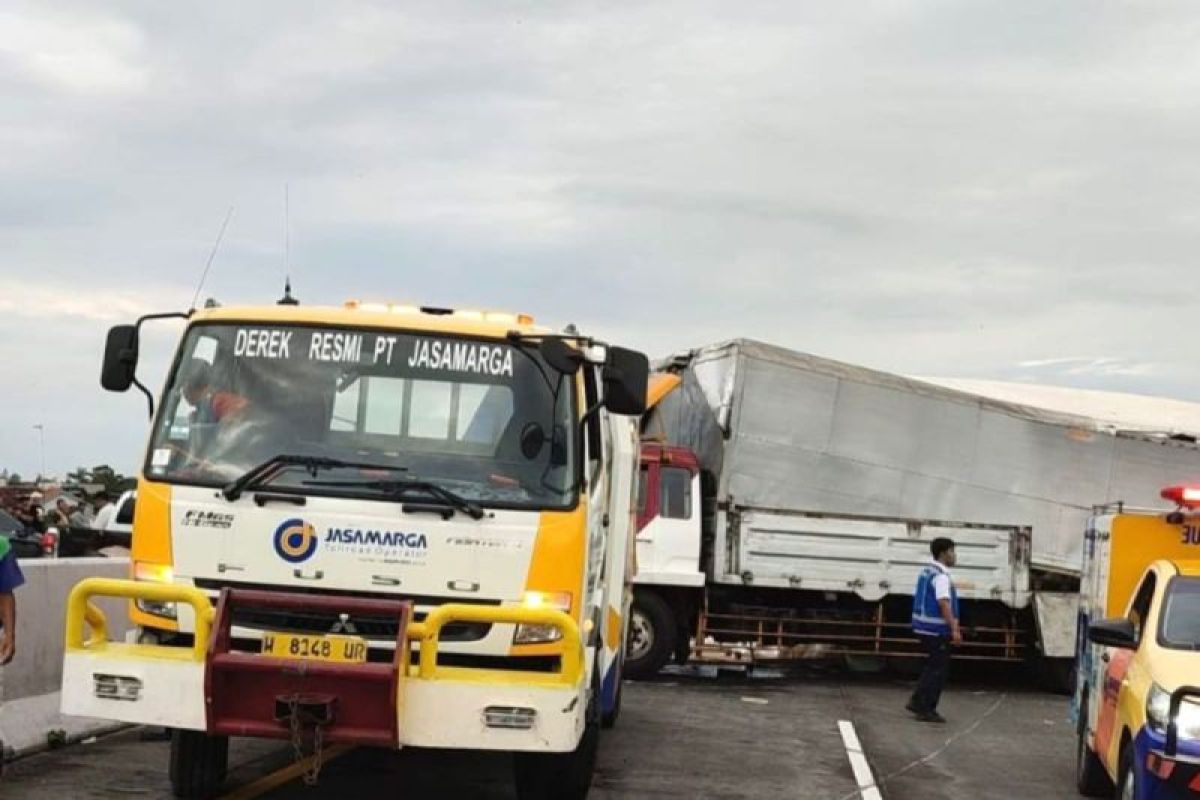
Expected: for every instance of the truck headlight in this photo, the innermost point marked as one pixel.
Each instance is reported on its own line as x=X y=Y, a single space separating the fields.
x=540 y=634
x=154 y=573
x=1158 y=712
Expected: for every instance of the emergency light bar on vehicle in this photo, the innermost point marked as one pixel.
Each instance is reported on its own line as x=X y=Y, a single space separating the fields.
x=478 y=316
x=1183 y=496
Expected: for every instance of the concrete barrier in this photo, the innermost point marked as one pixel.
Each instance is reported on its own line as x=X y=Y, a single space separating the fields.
x=31 y=683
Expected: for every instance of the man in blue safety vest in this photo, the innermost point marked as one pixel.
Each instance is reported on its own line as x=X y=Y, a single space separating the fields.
x=935 y=621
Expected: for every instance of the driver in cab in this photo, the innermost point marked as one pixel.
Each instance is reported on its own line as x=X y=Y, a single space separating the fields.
x=210 y=404
x=214 y=419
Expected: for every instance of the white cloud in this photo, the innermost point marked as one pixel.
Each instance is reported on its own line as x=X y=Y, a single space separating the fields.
x=58 y=304
x=1091 y=366
x=73 y=52
x=1052 y=362
x=947 y=188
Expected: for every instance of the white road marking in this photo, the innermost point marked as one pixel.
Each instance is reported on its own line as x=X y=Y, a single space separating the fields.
x=858 y=762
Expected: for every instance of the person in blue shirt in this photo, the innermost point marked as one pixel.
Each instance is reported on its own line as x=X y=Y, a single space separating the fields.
x=935 y=621
x=10 y=579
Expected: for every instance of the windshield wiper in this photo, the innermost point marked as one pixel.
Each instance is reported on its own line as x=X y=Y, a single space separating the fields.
x=399 y=488
x=269 y=469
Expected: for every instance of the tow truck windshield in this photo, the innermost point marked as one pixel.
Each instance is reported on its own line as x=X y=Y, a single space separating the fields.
x=483 y=419
x=1180 y=628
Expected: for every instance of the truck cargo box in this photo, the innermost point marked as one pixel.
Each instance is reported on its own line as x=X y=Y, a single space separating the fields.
x=869 y=556
x=778 y=429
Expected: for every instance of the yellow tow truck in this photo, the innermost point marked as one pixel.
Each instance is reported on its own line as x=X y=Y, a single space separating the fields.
x=374 y=524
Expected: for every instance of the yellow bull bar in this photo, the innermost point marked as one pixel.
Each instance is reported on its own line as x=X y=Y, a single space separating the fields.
x=82 y=613
x=81 y=610
x=427 y=631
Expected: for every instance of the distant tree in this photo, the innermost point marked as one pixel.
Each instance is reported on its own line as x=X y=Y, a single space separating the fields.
x=14 y=478
x=114 y=482
x=79 y=475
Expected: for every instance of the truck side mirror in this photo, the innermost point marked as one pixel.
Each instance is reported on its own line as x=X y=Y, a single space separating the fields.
x=1117 y=632
x=120 y=358
x=560 y=355
x=626 y=374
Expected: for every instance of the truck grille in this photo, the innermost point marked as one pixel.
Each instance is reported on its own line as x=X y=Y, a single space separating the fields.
x=369 y=626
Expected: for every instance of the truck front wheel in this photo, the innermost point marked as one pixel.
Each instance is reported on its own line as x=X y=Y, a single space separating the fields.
x=652 y=635
x=198 y=764
x=561 y=776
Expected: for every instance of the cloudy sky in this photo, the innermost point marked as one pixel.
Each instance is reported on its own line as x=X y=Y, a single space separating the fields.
x=969 y=189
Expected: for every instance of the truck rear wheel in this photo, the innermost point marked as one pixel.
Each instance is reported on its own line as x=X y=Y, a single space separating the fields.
x=1090 y=778
x=652 y=635
x=198 y=764
x=561 y=776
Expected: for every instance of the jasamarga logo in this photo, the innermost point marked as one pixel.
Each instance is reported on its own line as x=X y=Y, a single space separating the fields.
x=391 y=540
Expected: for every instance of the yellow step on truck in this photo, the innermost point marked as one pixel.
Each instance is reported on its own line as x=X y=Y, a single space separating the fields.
x=1137 y=699
x=376 y=525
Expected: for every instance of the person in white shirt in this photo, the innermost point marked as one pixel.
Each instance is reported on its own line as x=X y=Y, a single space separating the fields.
x=935 y=622
x=105 y=510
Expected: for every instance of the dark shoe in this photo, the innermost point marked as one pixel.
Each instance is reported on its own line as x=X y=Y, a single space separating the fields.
x=932 y=716
x=913 y=708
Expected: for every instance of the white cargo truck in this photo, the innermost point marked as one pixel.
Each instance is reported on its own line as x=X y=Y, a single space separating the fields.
x=788 y=502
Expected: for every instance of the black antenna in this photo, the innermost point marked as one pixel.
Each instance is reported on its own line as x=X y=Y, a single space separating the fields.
x=287 y=235
x=287 y=299
x=211 y=256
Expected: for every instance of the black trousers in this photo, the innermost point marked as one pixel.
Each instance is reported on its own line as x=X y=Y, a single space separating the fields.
x=933 y=677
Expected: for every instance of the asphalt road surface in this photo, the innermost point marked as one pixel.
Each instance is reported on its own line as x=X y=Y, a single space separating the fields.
x=682 y=736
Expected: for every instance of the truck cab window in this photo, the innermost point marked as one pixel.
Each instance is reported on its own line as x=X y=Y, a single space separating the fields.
x=675 y=493
x=384 y=405
x=430 y=416
x=125 y=512
x=452 y=412
x=1139 y=609
x=591 y=393
x=345 y=408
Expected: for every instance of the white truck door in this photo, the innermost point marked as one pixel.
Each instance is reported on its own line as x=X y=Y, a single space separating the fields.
x=672 y=539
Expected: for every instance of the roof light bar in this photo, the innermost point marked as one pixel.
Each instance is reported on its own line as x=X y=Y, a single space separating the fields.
x=1185 y=496
x=501 y=317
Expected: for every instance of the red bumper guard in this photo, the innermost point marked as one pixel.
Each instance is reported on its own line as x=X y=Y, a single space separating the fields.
x=249 y=694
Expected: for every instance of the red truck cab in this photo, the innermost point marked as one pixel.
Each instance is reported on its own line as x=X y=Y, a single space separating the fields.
x=669 y=581
x=664 y=482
